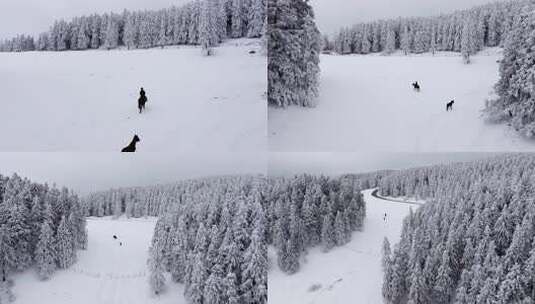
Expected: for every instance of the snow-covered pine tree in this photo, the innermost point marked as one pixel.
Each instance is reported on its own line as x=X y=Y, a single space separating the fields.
x=254 y=275
x=468 y=40
x=111 y=40
x=8 y=258
x=83 y=35
x=130 y=31
x=405 y=40
x=237 y=18
x=256 y=18
x=45 y=252
x=294 y=44
x=390 y=46
x=208 y=32
x=156 y=277
x=66 y=254
x=327 y=233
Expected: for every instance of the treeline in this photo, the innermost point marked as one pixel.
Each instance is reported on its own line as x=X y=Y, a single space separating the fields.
x=214 y=243
x=306 y=211
x=466 y=31
x=294 y=44
x=205 y=22
x=473 y=241
x=40 y=226
x=154 y=200
x=515 y=102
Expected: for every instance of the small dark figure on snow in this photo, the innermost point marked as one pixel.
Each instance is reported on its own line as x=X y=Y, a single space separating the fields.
x=384 y=218
x=132 y=145
x=114 y=237
x=120 y=243
x=141 y=100
x=416 y=86
x=252 y=52
x=449 y=105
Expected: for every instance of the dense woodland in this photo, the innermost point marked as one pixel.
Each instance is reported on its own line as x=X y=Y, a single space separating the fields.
x=41 y=227
x=307 y=211
x=466 y=31
x=473 y=241
x=201 y=22
x=214 y=243
x=294 y=44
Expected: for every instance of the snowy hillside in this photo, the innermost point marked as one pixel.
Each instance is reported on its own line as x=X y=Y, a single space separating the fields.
x=105 y=273
x=366 y=101
x=87 y=101
x=348 y=274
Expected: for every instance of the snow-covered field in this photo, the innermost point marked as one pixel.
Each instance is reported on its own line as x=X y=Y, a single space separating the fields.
x=105 y=273
x=367 y=102
x=348 y=274
x=87 y=100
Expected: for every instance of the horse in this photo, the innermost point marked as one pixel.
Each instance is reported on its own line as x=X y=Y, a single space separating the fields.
x=141 y=101
x=449 y=105
x=132 y=145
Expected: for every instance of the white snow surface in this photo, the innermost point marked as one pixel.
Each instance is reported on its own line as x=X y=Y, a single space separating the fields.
x=367 y=102
x=87 y=100
x=348 y=274
x=104 y=273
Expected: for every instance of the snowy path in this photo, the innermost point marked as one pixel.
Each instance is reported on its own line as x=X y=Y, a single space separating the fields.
x=348 y=274
x=87 y=100
x=367 y=102
x=105 y=273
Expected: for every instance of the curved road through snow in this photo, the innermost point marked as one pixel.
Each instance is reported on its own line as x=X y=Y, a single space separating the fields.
x=376 y=195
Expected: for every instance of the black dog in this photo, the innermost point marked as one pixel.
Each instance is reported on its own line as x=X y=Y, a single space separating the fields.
x=141 y=100
x=132 y=146
x=449 y=105
x=416 y=86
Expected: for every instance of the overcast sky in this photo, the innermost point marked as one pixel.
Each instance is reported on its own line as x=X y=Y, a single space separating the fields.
x=333 y=14
x=86 y=172
x=341 y=163
x=35 y=16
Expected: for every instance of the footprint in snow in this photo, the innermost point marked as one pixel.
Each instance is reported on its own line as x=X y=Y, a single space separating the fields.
x=314 y=287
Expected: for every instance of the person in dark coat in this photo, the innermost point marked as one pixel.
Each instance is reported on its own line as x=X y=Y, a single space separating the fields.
x=142 y=100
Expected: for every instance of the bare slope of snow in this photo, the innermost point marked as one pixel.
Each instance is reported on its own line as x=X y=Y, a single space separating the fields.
x=87 y=100
x=367 y=103
x=105 y=273
x=348 y=274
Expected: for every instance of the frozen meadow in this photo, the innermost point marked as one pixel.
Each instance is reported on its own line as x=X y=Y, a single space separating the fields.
x=348 y=274
x=367 y=102
x=87 y=100
x=104 y=273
